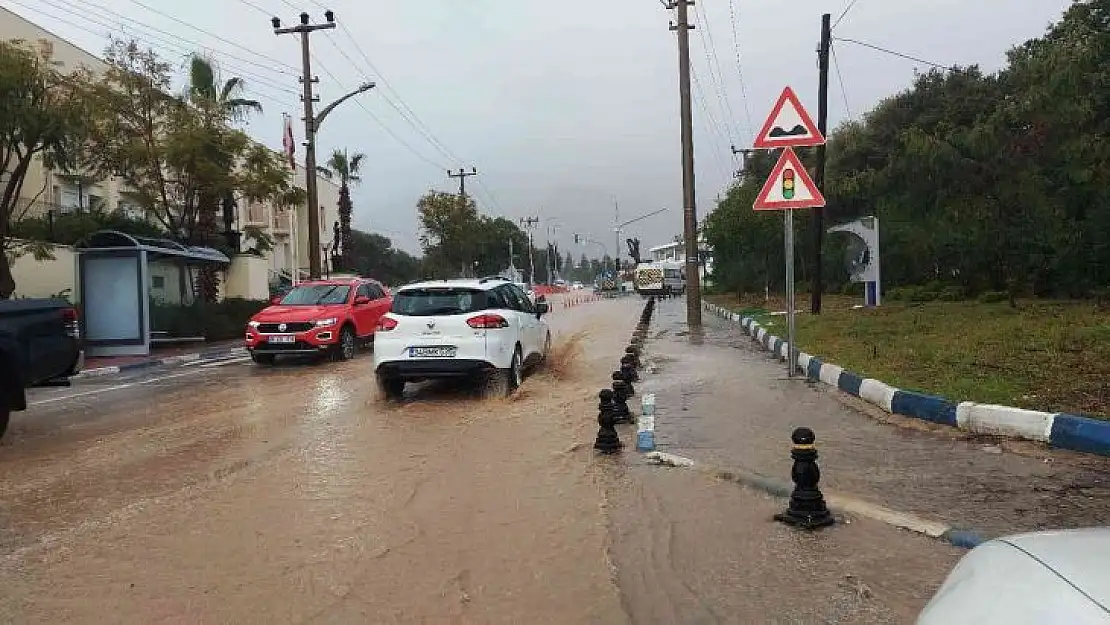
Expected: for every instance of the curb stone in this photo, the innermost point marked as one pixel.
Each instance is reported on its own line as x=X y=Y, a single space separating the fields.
x=1060 y=430
x=221 y=354
x=837 y=502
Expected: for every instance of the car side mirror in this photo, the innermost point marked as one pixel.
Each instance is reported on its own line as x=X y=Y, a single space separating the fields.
x=362 y=300
x=275 y=300
x=542 y=309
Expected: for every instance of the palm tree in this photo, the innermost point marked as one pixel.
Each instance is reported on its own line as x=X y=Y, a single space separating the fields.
x=218 y=105
x=346 y=167
x=205 y=88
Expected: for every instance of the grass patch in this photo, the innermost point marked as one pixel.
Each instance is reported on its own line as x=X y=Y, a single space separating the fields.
x=1043 y=355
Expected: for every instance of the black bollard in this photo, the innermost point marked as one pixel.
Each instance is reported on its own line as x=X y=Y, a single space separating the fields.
x=628 y=375
x=626 y=365
x=635 y=354
x=621 y=413
x=608 y=442
x=807 y=508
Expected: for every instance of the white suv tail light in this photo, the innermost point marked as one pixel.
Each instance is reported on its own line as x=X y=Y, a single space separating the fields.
x=487 y=322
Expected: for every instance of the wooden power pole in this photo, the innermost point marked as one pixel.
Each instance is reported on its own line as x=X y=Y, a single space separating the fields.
x=817 y=284
x=689 y=205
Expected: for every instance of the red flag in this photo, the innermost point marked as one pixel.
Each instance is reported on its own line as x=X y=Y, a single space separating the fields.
x=288 y=143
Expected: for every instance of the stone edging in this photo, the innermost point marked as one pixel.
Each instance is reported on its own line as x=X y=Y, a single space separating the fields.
x=1060 y=430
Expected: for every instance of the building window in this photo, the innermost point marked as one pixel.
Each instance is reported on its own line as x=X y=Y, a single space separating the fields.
x=158 y=282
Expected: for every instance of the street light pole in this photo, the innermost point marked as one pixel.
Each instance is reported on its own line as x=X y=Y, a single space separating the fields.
x=312 y=126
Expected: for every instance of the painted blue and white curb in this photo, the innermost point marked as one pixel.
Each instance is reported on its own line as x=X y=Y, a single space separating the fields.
x=1060 y=429
x=209 y=356
x=645 y=427
x=839 y=503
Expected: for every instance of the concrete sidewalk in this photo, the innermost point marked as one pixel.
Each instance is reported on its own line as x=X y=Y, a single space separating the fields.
x=110 y=365
x=729 y=403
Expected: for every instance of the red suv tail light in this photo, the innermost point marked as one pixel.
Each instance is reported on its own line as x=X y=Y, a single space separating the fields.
x=385 y=324
x=487 y=322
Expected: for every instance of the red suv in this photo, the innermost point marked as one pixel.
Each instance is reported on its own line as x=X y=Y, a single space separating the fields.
x=319 y=317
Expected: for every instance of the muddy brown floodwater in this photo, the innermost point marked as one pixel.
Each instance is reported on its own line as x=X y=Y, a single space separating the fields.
x=241 y=494
x=296 y=495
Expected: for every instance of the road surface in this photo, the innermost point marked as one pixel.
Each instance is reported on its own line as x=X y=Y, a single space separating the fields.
x=226 y=492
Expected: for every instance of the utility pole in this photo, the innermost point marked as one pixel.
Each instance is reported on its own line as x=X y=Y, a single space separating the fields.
x=617 y=248
x=744 y=154
x=304 y=29
x=689 y=205
x=529 y=224
x=818 y=282
x=462 y=175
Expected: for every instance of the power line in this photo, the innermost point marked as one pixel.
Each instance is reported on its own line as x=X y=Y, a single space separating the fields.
x=891 y=52
x=397 y=138
x=264 y=66
x=740 y=69
x=216 y=37
x=714 y=128
x=712 y=59
x=845 y=12
x=154 y=44
x=435 y=144
x=840 y=79
x=401 y=107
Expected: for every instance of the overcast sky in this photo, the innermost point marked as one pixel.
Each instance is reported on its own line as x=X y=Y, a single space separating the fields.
x=563 y=108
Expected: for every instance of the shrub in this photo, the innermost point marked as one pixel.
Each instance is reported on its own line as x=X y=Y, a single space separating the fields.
x=992 y=297
x=215 y=322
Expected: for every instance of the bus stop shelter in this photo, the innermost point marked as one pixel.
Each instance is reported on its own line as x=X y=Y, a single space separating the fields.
x=118 y=276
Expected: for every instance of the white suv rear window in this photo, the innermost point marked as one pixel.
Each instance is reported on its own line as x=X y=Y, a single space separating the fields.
x=430 y=302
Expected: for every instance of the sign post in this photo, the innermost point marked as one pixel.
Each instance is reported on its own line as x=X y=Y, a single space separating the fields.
x=789 y=187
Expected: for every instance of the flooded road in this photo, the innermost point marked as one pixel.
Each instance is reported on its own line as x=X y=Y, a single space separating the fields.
x=728 y=402
x=226 y=492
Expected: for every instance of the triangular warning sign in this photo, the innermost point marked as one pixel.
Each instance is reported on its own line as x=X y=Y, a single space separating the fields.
x=788 y=125
x=788 y=187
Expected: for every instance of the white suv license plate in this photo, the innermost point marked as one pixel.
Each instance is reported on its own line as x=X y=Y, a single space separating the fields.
x=432 y=352
x=282 y=339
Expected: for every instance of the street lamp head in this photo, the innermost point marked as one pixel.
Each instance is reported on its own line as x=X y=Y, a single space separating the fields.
x=366 y=86
x=329 y=16
x=276 y=22
x=304 y=19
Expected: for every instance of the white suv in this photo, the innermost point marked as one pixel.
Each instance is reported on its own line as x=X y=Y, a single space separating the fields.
x=486 y=329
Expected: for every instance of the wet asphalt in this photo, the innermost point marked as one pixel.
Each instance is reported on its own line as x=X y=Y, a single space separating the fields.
x=227 y=492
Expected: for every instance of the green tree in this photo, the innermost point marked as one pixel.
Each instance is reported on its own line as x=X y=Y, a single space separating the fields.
x=375 y=257
x=217 y=104
x=45 y=114
x=346 y=167
x=450 y=230
x=180 y=156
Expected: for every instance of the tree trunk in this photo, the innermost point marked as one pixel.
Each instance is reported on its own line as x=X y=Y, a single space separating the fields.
x=7 y=281
x=346 y=259
x=208 y=277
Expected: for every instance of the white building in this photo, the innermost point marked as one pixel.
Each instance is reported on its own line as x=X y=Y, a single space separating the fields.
x=54 y=192
x=675 y=251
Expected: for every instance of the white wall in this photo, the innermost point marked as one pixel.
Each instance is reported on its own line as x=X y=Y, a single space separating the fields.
x=43 y=278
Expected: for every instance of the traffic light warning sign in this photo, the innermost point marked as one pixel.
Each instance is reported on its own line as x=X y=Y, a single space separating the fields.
x=789 y=186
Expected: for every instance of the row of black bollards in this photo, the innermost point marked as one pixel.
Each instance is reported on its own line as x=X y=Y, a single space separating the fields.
x=807 y=508
x=612 y=405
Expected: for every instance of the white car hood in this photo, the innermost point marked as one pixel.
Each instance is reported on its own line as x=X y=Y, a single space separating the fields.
x=1044 y=578
x=1080 y=556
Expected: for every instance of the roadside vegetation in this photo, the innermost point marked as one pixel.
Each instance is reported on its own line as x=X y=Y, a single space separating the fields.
x=992 y=193
x=1042 y=355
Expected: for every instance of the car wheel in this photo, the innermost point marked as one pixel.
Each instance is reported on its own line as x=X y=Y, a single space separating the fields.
x=515 y=374
x=5 y=415
x=348 y=344
x=546 y=348
x=391 y=388
x=263 y=359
